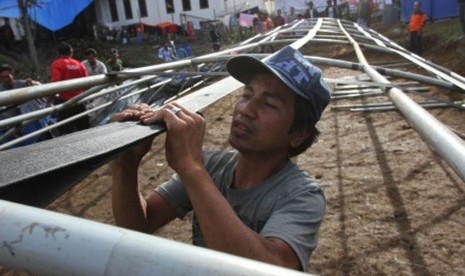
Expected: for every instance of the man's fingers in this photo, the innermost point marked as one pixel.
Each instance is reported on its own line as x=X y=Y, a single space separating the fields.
x=133 y=112
x=171 y=114
x=140 y=107
x=160 y=115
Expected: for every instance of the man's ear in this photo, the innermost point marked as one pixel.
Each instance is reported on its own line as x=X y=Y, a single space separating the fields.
x=298 y=136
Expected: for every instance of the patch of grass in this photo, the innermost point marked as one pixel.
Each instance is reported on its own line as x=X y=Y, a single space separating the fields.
x=444 y=31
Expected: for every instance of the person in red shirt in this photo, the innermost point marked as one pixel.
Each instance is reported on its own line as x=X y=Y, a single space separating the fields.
x=415 y=28
x=65 y=68
x=267 y=23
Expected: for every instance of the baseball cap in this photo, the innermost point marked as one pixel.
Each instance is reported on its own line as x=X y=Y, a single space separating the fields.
x=293 y=69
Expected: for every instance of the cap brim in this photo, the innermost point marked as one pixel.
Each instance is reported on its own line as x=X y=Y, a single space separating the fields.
x=243 y=68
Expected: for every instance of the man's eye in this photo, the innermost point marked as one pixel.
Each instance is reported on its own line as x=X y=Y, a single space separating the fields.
x=246 y=95
x=271 y=105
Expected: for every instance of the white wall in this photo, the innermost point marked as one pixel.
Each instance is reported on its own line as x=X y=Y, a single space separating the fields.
x=299 y=5
x=156 y=10
x=237 y=5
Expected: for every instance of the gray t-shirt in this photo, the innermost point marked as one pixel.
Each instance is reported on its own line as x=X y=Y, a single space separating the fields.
x=288 y=205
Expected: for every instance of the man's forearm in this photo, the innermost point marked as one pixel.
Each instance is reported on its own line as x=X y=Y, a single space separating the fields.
x=129 y=207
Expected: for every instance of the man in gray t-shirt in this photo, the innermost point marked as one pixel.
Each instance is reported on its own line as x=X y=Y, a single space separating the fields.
x=253 y=202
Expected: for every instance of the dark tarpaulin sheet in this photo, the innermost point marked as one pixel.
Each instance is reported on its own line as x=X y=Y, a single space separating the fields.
x=51 y=14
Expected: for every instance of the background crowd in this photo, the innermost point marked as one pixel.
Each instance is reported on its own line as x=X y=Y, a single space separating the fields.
x=170 y=47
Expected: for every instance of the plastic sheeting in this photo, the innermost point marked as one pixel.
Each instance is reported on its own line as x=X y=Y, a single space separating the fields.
x=51 y=14
x=434 y=9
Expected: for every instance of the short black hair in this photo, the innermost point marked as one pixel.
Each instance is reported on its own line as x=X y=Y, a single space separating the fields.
x=64 y=49
x=91 y=51
x=6 y=67
x=303 y=120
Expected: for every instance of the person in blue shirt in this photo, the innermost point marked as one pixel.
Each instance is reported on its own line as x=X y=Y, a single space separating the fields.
x=167 y=53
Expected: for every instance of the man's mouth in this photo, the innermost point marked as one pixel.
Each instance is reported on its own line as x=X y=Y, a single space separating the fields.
x=241 y=127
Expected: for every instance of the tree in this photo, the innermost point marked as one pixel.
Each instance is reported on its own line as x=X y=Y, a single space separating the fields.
x=23 y=6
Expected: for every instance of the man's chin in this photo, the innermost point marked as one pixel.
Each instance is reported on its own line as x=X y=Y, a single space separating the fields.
x=234 y=143
x=240 y=146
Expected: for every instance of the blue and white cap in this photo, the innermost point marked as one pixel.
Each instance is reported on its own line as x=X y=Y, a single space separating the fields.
x=293 y=69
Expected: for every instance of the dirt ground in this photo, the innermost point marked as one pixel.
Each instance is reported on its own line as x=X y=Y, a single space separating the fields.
x=393 y=205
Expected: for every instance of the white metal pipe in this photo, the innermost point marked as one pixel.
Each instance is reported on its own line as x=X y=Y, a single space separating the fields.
x=75 y=117
x=433 y=68
x=49 y=110
x=24 y=94
x=47 y=243
x=446 y=143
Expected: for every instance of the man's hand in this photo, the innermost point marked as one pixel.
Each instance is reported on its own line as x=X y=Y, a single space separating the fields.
x=31 y=82
x=133 y=156
x=184 y=139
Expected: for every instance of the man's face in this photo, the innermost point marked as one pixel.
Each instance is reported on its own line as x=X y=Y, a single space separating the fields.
x=7 y=79
x=263 y=117
x=91 y=58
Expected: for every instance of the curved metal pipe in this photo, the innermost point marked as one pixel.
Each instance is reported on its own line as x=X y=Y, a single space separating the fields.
x=48 y=243
x=446 y=143
x=440 y=71
x=50 y=110
x=77 y=116
x=24 y=94
x=356 y=66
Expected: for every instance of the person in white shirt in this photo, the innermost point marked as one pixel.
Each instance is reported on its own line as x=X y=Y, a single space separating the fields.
x=292 y=15
x=92 y=64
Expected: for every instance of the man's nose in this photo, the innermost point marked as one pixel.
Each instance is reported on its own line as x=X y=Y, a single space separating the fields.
x=249 y=108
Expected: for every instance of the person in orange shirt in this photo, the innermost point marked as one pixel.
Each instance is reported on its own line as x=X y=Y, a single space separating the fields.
x=415 y=28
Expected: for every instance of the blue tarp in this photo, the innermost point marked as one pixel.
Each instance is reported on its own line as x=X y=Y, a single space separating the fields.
x=434 y=9
x=51 y=14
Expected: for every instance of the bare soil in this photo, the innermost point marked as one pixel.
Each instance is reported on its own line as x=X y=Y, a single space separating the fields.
x=394 y=207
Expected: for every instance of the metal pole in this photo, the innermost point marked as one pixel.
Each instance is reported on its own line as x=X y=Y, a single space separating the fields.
x=75 y=117
x=446 y=143
x=21 y=95
x=42 y=242
x=433 y=68
x=49 y=110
